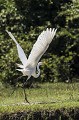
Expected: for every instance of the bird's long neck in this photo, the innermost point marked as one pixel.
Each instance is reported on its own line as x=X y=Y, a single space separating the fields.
x=37 y=75
x=38 y=69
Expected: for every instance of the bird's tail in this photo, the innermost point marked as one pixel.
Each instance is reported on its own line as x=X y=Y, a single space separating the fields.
x=19 y=65
x=20 y=70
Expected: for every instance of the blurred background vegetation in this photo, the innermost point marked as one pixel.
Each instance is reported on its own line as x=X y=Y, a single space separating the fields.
x=26 y=19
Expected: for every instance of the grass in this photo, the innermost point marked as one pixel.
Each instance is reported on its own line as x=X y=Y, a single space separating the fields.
x=48 y=96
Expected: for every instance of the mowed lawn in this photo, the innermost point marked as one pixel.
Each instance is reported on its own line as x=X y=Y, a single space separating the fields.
x=46 y=96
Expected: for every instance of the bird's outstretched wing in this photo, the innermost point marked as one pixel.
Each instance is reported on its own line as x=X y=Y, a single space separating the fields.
x=21 y=53
x=41 y=45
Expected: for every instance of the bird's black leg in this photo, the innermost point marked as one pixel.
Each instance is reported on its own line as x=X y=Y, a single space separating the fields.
x=13 y=91
x=15 y=86
x=25 y=95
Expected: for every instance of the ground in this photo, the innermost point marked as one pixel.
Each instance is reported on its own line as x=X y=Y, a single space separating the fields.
x=46 y=96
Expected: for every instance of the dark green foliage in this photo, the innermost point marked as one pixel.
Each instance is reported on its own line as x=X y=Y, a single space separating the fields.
x=59 y=114
x=26 y=19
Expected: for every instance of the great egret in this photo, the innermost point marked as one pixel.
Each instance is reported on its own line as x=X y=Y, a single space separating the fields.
x=30 y=66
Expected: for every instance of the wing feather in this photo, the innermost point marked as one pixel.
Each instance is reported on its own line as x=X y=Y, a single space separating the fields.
x=21 y=53
x=41 y=45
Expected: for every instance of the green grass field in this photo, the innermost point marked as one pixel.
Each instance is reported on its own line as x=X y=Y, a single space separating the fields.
x=47 y=96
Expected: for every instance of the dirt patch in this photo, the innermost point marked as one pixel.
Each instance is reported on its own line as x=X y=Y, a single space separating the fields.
x=59 y=114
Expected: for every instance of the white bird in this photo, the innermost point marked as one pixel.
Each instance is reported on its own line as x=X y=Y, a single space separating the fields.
x=30 y=66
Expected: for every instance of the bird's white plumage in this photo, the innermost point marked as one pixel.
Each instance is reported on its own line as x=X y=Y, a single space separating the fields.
x=29 y=65
x=21 y=53
x=41 y=45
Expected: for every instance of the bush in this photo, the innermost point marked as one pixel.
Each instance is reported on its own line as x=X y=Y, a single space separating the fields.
x=26 y=19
